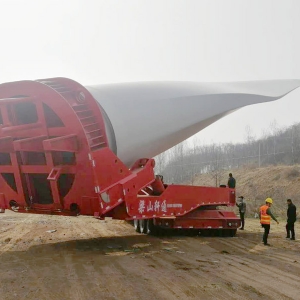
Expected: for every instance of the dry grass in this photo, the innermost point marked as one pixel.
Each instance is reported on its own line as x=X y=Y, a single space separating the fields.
x=256 y=184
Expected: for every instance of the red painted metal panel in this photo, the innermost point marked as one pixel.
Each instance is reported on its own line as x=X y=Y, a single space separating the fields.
x=180 y=200
x=34 y=144
x=67 y=143
x=6 y=144
x=54 y=120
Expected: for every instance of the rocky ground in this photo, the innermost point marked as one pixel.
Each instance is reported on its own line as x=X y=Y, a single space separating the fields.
x=51 y=257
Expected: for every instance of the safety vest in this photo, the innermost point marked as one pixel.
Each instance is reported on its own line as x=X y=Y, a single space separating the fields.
x=264 y=217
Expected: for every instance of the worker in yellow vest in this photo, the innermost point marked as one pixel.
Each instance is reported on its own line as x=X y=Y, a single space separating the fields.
x=265 y=219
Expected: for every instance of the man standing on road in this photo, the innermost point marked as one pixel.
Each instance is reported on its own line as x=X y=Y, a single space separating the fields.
x=242 y=210
x=265 y=215
x=231 y=181
x=291 y=219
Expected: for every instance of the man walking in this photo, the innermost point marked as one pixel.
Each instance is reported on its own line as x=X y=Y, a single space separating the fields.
x=242 y=210
x=265 y=219
x=291 y=219
x=231 y=181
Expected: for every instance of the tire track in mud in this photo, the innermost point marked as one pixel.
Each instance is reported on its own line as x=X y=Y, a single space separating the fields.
x=264 y=251
x=37 y=284
x=198 y=277
x=143 y=269
x=172 y=280
x=193 y=280
x=263 y=270
x=122 y=281
x=76 y=258
x=81 y=262
x=258 y=282
x=268 y=271
x=73 y=270
x=217 y=273
x=252 y=282
x=245 y=286
x=246 y=283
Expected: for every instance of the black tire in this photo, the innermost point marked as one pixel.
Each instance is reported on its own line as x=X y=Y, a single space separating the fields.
x=191 y=232
x=143 y=225
x=151 y=228
x=232 y=232
x=205 y=232
x=221 y=232
x=136 y=225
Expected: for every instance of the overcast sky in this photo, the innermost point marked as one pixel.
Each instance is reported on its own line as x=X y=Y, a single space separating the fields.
x=96 y=42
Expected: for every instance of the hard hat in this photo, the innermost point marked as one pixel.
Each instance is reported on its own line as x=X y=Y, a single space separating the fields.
x=269 y=200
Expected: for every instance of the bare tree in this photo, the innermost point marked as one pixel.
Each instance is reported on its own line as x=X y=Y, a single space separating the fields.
x=274 y=131
x=194 y=161
x=215 y=166
x=250 y=146
x=184 y=161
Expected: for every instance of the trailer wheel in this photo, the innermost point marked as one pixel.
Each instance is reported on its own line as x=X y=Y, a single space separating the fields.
x=192 y=232
x=151 y=228
x=136 y=226
x=143 y=226
x=232 y=232
x=205 y=232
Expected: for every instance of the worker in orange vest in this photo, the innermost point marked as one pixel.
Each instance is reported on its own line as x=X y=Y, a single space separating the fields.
x=265 y=219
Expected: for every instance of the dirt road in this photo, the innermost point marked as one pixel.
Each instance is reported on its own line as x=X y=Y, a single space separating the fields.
x=90 y=259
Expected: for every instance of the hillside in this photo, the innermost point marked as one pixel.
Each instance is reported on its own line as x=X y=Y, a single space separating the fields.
x=256 y=184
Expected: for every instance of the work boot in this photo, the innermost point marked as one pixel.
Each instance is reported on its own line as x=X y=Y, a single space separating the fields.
x=292 y=238
x=287 y=237
x=241 y=228
x=266 y=244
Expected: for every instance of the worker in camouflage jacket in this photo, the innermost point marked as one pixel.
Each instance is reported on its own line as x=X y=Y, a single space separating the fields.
x=241 y=204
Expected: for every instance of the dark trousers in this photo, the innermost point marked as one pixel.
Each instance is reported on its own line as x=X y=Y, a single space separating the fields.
x=242 y=216
x=290 y=229
x=266 y=232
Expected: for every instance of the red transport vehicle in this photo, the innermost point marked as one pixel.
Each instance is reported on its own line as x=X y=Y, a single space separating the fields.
x=55 y=159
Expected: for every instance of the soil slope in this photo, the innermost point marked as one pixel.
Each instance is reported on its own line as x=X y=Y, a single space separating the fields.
x=256 y=184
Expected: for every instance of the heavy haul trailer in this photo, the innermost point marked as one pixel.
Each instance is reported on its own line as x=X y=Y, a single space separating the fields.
x=67 y=149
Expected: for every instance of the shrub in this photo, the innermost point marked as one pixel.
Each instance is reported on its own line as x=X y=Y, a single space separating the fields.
x=293 y=173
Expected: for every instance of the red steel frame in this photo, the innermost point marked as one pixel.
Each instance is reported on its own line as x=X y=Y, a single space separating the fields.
x=67 y=121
